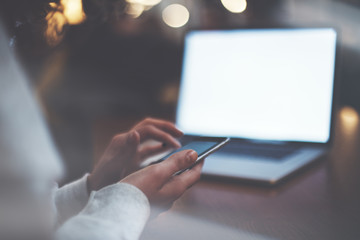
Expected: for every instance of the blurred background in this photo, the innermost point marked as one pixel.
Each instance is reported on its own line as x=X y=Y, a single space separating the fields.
x=99 y=66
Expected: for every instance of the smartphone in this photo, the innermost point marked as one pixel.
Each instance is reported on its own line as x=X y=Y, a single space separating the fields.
x=204 y=146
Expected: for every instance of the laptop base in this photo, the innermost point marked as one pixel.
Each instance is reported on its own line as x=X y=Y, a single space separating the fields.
x=259 y=169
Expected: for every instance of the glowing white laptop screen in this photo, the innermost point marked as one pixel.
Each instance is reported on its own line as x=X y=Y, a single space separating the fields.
x=258 y=84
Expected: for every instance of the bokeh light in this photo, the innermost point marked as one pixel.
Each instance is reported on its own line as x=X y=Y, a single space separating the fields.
x=66 y=12
x=349 y=119
x=135 y=10
x=137 y=7
x=235 y=6
x=54 y=29
x=349 y=115
x=73 y=11
x=175 y=15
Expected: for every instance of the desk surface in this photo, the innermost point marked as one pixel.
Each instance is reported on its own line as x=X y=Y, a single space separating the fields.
x=321 y=202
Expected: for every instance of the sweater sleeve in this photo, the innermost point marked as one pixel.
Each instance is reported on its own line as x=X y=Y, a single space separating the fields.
x=119 y=211
x=70 y=199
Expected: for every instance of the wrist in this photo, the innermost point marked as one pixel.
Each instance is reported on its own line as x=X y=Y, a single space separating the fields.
x=96 y=181
x=90 y=183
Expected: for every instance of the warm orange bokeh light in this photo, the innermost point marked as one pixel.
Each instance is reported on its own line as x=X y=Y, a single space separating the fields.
x=73 y=11
x=67 y=12
x=349 y=120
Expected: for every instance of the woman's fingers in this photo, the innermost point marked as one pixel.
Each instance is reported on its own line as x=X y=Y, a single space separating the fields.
x=191 y=176
x=177 y=162
x=152 y=132
x=180 y=183
x=165 y=126
x=149 y=151
x=158 y=182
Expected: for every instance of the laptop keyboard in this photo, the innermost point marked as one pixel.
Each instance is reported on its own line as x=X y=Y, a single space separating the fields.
x=270 y=151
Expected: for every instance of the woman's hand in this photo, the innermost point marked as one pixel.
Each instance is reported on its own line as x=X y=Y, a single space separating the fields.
x=125 y=152
x=159 y=183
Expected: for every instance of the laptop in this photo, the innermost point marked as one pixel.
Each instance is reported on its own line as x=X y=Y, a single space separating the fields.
x=269 y=90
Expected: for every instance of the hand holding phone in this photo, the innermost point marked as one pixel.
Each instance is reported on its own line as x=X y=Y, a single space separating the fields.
x=204 y=146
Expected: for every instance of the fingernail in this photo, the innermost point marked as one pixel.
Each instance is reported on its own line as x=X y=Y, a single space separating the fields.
x=191 y=156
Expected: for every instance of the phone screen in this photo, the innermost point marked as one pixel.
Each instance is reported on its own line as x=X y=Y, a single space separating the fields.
x=200 y=147
x=203 y=146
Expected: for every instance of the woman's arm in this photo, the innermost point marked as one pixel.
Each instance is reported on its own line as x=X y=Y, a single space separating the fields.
x=118 y=211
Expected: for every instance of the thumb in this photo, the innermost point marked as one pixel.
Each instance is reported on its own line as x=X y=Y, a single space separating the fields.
x=176 y=162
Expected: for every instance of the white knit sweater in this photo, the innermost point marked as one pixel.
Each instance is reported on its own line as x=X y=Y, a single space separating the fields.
x=118 y=211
